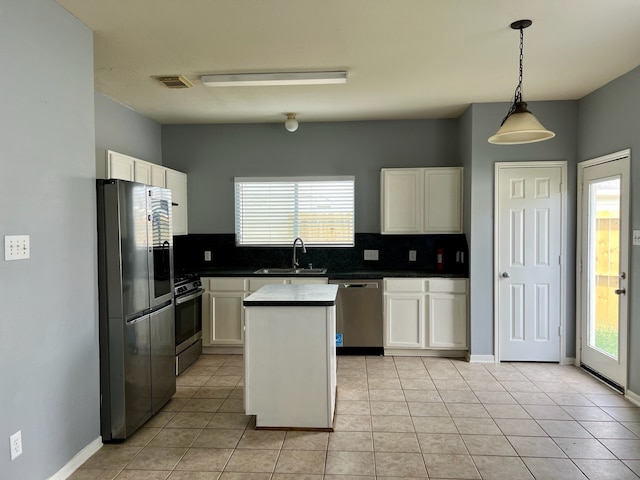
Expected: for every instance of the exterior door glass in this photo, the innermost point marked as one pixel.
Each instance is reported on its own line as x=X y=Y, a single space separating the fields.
x=604 y=266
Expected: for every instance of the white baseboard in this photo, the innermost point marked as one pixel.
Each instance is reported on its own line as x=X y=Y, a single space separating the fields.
x=633 y=397
x=481 y=358
x=421 y=352
x=80 y=457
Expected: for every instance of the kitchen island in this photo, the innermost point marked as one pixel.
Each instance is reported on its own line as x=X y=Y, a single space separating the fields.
x=290 y=356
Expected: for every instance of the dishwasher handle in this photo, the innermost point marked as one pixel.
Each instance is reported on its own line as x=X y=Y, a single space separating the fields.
x=357 y=285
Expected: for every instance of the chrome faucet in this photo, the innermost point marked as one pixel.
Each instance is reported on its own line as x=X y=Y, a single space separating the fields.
x=294 y=260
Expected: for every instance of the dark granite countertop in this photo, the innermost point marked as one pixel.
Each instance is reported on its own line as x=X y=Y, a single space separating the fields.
x=331 y=274
x=293 y=296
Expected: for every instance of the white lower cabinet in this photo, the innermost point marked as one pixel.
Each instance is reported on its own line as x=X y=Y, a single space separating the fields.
x=222 y=309
x=425 y=313
x=405 y=326
x=447 y=320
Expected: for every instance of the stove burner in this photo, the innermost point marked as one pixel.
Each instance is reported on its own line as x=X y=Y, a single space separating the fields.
x=186 y=283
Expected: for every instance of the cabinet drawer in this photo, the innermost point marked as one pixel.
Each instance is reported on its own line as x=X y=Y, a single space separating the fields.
x=403 y=285
x=225 y=284
x=446 y=285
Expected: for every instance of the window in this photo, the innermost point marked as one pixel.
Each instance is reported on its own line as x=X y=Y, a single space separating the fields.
x=274 y=211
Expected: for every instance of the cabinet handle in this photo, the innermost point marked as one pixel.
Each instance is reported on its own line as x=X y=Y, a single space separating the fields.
x=620 y=291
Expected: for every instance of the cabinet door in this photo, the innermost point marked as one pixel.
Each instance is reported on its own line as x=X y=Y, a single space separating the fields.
x=443 y=200
x=142 y=172
x=404 y=321
x=226 y=318
x=402 y=200
x=120 y=166
x=157 y=176
x=447 y=320
x=177 y=183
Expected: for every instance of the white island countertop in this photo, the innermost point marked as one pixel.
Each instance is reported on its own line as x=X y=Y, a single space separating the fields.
x=293 y=296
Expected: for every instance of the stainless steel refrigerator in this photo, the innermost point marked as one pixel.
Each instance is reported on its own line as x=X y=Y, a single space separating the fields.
x=137 y=326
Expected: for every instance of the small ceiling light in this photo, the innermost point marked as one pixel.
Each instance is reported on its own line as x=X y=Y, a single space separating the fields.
x=291 y=123
x=268 y=79
x=519 y=125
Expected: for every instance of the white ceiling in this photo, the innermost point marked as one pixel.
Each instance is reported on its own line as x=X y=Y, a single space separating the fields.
x=406 y=59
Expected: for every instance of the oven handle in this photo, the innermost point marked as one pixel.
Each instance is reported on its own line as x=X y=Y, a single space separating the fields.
x=198 y=293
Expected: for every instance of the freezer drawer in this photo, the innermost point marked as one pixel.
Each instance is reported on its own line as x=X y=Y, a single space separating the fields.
x=163 y=357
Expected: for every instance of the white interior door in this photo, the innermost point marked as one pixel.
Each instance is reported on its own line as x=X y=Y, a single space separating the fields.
x=529 y=210
x=603 y=207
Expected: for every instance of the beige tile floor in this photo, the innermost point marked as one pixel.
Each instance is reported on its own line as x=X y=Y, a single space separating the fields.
x=396 y=418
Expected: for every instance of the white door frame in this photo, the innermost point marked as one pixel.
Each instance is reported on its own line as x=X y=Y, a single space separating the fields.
x=581 y=166
x=562 y=164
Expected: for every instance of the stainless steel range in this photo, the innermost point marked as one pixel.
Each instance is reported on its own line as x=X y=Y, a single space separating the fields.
x=188 y=305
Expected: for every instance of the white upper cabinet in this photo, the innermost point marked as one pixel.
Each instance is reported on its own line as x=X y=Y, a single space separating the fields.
x=158 y=176
x=421 y=200
x=402 y=195
x=443 y=200
x=110 y=164
x=114 y=165
x=177 y=183
x=142 y=172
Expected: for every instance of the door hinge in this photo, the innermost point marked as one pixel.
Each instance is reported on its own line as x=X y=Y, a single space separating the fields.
x=559 y=334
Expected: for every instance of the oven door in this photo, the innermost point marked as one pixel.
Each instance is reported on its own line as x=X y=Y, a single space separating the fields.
x=188 y=319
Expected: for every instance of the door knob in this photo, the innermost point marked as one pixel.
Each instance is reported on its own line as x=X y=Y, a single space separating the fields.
x=620 y=291
x=505 y=275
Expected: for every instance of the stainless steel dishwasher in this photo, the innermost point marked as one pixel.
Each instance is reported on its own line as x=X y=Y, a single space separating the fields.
x=359 y=316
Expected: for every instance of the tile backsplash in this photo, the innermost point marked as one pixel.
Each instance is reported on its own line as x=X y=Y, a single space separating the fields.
x=393 y=254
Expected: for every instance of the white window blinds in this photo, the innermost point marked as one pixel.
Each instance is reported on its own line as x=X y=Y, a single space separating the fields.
x=274 y=211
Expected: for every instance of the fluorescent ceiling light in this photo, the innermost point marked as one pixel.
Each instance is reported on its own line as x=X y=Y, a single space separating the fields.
x=266 y=79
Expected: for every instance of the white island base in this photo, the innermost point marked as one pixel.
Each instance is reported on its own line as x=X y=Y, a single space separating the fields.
x=290 y=361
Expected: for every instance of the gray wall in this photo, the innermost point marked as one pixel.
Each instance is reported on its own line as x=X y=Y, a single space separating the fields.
x=121 y=129
x=49 y=385
x=213 y=154
x=609 y=122
x=561 y=117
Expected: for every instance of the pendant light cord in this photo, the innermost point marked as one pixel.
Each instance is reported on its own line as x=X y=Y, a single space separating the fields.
x=518 y=93
x=517 y=96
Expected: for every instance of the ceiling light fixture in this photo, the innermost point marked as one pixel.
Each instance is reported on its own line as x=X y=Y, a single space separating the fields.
x=519 y=125
x=291 y=123
x=268 y=79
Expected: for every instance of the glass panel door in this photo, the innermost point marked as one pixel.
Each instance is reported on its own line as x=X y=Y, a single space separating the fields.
x=603 y=207
x=603 y=267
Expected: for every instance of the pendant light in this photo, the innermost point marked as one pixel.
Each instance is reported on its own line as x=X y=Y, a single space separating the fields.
x=291 y=123
x=519 y=125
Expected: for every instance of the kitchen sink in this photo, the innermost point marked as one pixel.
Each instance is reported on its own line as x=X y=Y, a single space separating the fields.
x=291 y=271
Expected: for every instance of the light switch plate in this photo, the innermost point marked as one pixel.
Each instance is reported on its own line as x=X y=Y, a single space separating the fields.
x=371 y=254
x=16 y=247
x=636 y=237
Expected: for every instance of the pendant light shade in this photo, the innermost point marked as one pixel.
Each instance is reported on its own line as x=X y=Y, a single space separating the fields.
x=520 y=125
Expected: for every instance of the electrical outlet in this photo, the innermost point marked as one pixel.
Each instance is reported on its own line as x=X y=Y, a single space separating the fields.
x=16 y=247
x=15 y=443
x=636 y=237
x=412 y=255
x=207 y=255
x=371 y=254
